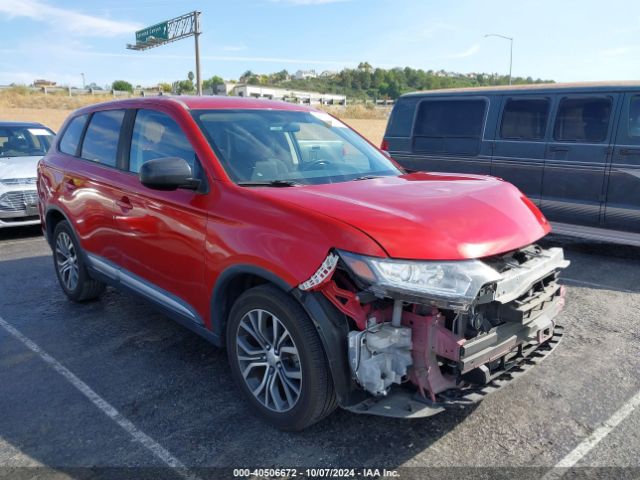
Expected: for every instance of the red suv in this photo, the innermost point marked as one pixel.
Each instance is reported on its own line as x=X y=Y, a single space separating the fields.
x=332 y=276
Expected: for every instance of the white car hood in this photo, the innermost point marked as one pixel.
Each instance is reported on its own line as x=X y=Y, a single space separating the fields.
x=19 y=167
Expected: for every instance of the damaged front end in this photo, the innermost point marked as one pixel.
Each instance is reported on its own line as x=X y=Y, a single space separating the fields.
x=427 y=335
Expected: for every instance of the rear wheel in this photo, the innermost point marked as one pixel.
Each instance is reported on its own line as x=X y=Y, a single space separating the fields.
x=277 y=359
x=70 y=266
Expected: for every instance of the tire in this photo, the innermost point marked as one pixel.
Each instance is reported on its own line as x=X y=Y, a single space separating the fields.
x=279 y=402
x=70 y=267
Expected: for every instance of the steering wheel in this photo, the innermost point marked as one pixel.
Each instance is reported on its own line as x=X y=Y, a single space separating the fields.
x=316 y=164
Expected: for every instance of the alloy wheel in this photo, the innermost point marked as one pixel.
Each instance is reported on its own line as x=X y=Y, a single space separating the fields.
x=67 y=261
x=269 y=360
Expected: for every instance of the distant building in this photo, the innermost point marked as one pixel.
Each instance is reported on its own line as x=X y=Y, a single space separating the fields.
x=304 y=74
x=43 y=83
x=284 y=94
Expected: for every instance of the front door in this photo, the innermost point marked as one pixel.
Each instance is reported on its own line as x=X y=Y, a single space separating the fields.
x=162 y=233
x=576 y=159
x=622 y=210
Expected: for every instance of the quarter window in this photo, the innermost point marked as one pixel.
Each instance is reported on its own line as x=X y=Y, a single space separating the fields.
x=524 y=119
x=71 y=137
x=634 y=117
x=156 y=135
x=449 y=126
x=582 y=120
x=401 y=119
x=101 y=140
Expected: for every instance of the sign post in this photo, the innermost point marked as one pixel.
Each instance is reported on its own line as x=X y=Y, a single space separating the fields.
x=169 y=31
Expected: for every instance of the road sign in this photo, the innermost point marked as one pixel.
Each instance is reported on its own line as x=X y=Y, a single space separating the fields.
x=156 y=32
x=166 y=32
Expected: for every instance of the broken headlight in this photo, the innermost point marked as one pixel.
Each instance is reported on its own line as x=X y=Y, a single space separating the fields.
x=457 y=282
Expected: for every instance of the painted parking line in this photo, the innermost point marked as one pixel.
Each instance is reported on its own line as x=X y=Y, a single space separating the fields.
x=575 y=281
x=22 y=240
x=575 y=455
x=136 y=434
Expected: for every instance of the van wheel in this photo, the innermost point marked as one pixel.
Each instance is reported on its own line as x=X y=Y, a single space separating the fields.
x=70 y=267
x=277 y=359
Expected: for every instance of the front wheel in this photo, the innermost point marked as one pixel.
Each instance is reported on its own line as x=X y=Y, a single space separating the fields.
x=70 y=267
x=277 y=359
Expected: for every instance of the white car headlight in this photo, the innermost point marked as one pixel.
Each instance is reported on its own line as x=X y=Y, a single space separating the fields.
x=457 y=281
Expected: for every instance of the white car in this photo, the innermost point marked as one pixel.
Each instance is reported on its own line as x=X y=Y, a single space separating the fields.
x=22 y=145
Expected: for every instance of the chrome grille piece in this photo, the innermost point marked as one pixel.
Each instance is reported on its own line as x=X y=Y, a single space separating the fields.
x=18 y=201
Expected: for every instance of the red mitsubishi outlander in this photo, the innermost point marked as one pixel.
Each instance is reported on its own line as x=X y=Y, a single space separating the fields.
x=332 y=276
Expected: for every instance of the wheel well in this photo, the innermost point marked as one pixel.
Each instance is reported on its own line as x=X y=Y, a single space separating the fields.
x=229 y=288
x=53 y=218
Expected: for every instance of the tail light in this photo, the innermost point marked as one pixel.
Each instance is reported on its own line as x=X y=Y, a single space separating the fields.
x=384 y=146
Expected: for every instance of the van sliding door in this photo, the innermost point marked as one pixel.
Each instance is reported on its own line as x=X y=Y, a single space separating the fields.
x=576 y=159
x=520 y=145
x=622 y=210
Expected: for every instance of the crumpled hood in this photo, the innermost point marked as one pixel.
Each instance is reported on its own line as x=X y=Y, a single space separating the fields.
x=429 y=216
x=19 y=167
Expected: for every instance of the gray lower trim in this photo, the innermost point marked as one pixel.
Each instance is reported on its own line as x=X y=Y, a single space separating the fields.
x=593 y=233
x=121 y=277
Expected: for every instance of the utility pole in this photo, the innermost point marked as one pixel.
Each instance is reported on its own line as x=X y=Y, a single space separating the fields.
x=196 y=36
x=510 y=49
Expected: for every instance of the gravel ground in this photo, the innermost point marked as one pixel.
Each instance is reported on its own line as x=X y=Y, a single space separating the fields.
x=176 y=388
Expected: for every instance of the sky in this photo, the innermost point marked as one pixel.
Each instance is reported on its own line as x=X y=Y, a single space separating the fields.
x=562 y=40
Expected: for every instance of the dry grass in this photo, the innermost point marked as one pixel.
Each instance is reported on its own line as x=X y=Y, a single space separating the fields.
x=52 y=109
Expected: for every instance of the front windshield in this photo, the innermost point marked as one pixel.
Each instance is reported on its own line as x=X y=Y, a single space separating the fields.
x=24 y=141
x=266 y=146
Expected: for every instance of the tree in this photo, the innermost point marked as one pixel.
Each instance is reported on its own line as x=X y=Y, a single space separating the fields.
x=183 y=86
x=190 y=76
x=122 y=86
x=164 y=87
x=212 y=82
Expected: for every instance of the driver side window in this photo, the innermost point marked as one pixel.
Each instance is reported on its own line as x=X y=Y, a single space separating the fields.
x=156 y=135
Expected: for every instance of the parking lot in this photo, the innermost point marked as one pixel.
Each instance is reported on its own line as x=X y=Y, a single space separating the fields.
x=174 y=400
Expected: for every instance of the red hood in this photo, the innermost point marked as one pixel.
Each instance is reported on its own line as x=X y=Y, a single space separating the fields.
x=428 y=216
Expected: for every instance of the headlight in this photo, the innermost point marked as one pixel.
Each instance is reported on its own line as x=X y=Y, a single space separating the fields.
x=458 y=282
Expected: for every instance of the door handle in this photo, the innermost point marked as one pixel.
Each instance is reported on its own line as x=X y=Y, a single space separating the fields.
x=124 y=203
x=630 y=151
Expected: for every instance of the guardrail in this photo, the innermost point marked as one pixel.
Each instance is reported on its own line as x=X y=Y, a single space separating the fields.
x=72 y=91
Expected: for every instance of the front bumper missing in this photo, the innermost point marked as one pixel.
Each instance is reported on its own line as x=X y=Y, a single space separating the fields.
x=402 y=402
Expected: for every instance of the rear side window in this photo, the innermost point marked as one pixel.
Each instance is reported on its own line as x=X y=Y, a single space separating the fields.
x=103 y=134
x=449 y=126
x=71 y=136
x=401 y=119
x=157 y=135
x=524 y=119
x=634 y=117
x=583 y=120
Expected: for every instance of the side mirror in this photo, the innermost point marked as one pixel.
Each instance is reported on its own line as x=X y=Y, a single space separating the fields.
x=167 y=173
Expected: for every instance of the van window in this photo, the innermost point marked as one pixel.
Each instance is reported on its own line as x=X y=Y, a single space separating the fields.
x=582 y=120
x=449 y=126
x=101 y=140
x=402 y=115
x=71 y=136
x=157 y=135
x=524 y=119
x=634 y=117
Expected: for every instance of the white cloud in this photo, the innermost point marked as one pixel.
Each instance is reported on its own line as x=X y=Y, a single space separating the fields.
x=67 y=20
x=308 y=2
x=469 y=52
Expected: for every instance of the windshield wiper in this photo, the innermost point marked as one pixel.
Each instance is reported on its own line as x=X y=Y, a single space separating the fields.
x=269 y=183
x=367 y=177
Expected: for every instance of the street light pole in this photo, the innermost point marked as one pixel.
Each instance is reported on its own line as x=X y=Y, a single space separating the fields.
x=510 y=49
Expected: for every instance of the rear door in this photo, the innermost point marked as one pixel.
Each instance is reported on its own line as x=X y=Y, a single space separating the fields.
x=622 y=210
x=577 y=157
x=520 y=145
x=91 y=182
